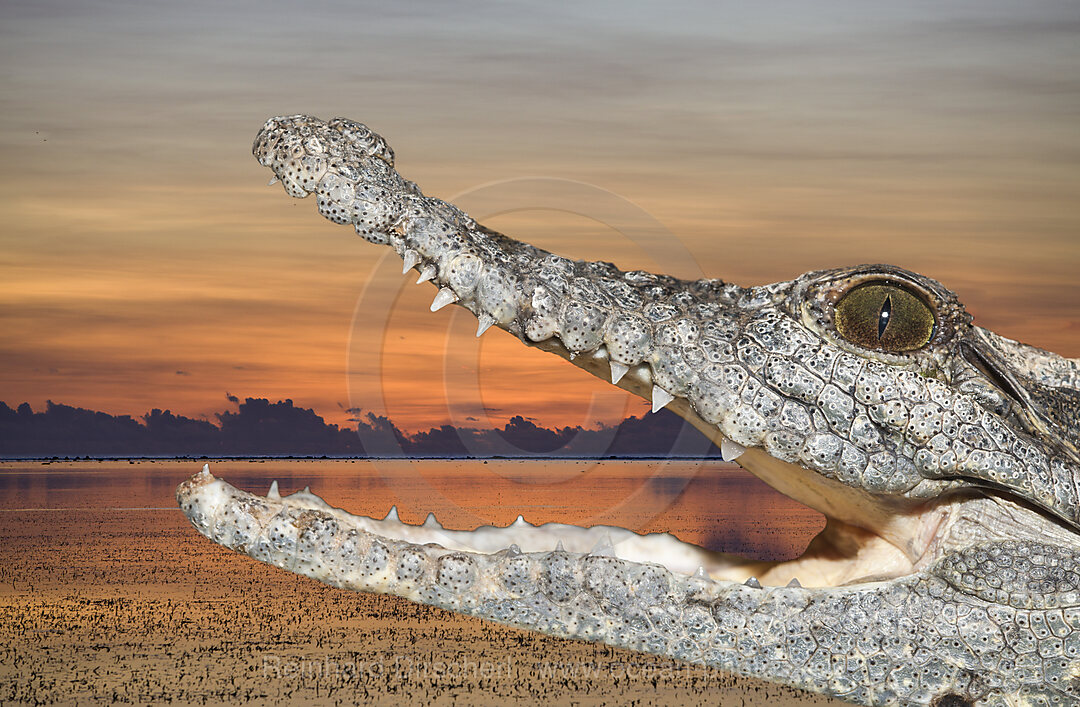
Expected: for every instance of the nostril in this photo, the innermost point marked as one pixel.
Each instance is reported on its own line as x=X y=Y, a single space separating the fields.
x=952 y=700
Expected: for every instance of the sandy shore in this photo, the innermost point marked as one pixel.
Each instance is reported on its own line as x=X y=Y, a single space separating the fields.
x=135 y=607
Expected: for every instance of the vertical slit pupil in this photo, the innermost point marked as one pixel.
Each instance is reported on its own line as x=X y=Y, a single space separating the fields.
x=883 y=316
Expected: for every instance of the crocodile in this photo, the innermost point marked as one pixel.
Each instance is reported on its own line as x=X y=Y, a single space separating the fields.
x=943 y=456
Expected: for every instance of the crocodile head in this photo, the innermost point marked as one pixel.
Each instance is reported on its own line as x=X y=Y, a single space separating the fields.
x=943 y=456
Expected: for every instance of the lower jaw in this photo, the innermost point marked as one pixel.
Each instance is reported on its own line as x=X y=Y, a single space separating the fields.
x=583 y=591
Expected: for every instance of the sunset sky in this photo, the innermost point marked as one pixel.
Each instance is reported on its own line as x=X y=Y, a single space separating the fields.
x=145 y=263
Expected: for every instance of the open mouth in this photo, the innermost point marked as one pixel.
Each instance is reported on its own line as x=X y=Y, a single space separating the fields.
x=867 y=538
x=841 y=555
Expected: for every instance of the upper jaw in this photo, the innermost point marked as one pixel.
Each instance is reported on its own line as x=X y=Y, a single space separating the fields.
x=762 y=367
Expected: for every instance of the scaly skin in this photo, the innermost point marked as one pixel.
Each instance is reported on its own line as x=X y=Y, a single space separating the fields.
x=949 y=570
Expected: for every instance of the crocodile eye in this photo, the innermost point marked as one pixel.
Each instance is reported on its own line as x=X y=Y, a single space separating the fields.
x=885 y=317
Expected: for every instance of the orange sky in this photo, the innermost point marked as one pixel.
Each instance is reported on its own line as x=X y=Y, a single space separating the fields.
x=145 y=264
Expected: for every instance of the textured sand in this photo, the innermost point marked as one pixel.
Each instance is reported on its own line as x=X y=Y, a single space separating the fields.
x=134 y=607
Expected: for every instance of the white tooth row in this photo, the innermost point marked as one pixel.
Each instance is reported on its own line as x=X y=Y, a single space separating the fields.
x=603 y=547
x=392 y=526
x=729 y=450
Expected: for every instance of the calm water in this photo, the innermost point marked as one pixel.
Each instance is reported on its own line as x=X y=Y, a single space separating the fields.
x=108 y=594
x=717 y=505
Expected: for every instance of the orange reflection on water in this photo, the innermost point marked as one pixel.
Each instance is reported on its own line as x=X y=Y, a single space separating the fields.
x=716 y=505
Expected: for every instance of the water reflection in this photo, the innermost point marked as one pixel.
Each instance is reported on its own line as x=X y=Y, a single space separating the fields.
x=717 y=505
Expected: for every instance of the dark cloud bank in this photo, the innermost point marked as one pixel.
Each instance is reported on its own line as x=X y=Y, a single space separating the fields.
x=260 y=428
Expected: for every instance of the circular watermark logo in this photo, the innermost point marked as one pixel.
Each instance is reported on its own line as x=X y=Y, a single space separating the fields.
x=450 y=377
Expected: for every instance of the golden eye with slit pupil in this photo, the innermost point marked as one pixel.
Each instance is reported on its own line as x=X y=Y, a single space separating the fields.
x=884 y=317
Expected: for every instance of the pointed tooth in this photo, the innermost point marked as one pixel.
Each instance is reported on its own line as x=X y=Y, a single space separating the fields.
x=513 y=550
x=432 y=522
x=409 y=260
x=603 y=547
x=794 y=582
x=273 y=494
x=520 y=522
x=701 y=573
x=618 y=370
x=729 y=450
x=307 y=490
x=392 y=515
x=660 y=398
x=444 y=297
x=483 y=323
x=559 y=546
x=273 y=181
x=205 y=469
x=428 y=273
x=753 y=583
